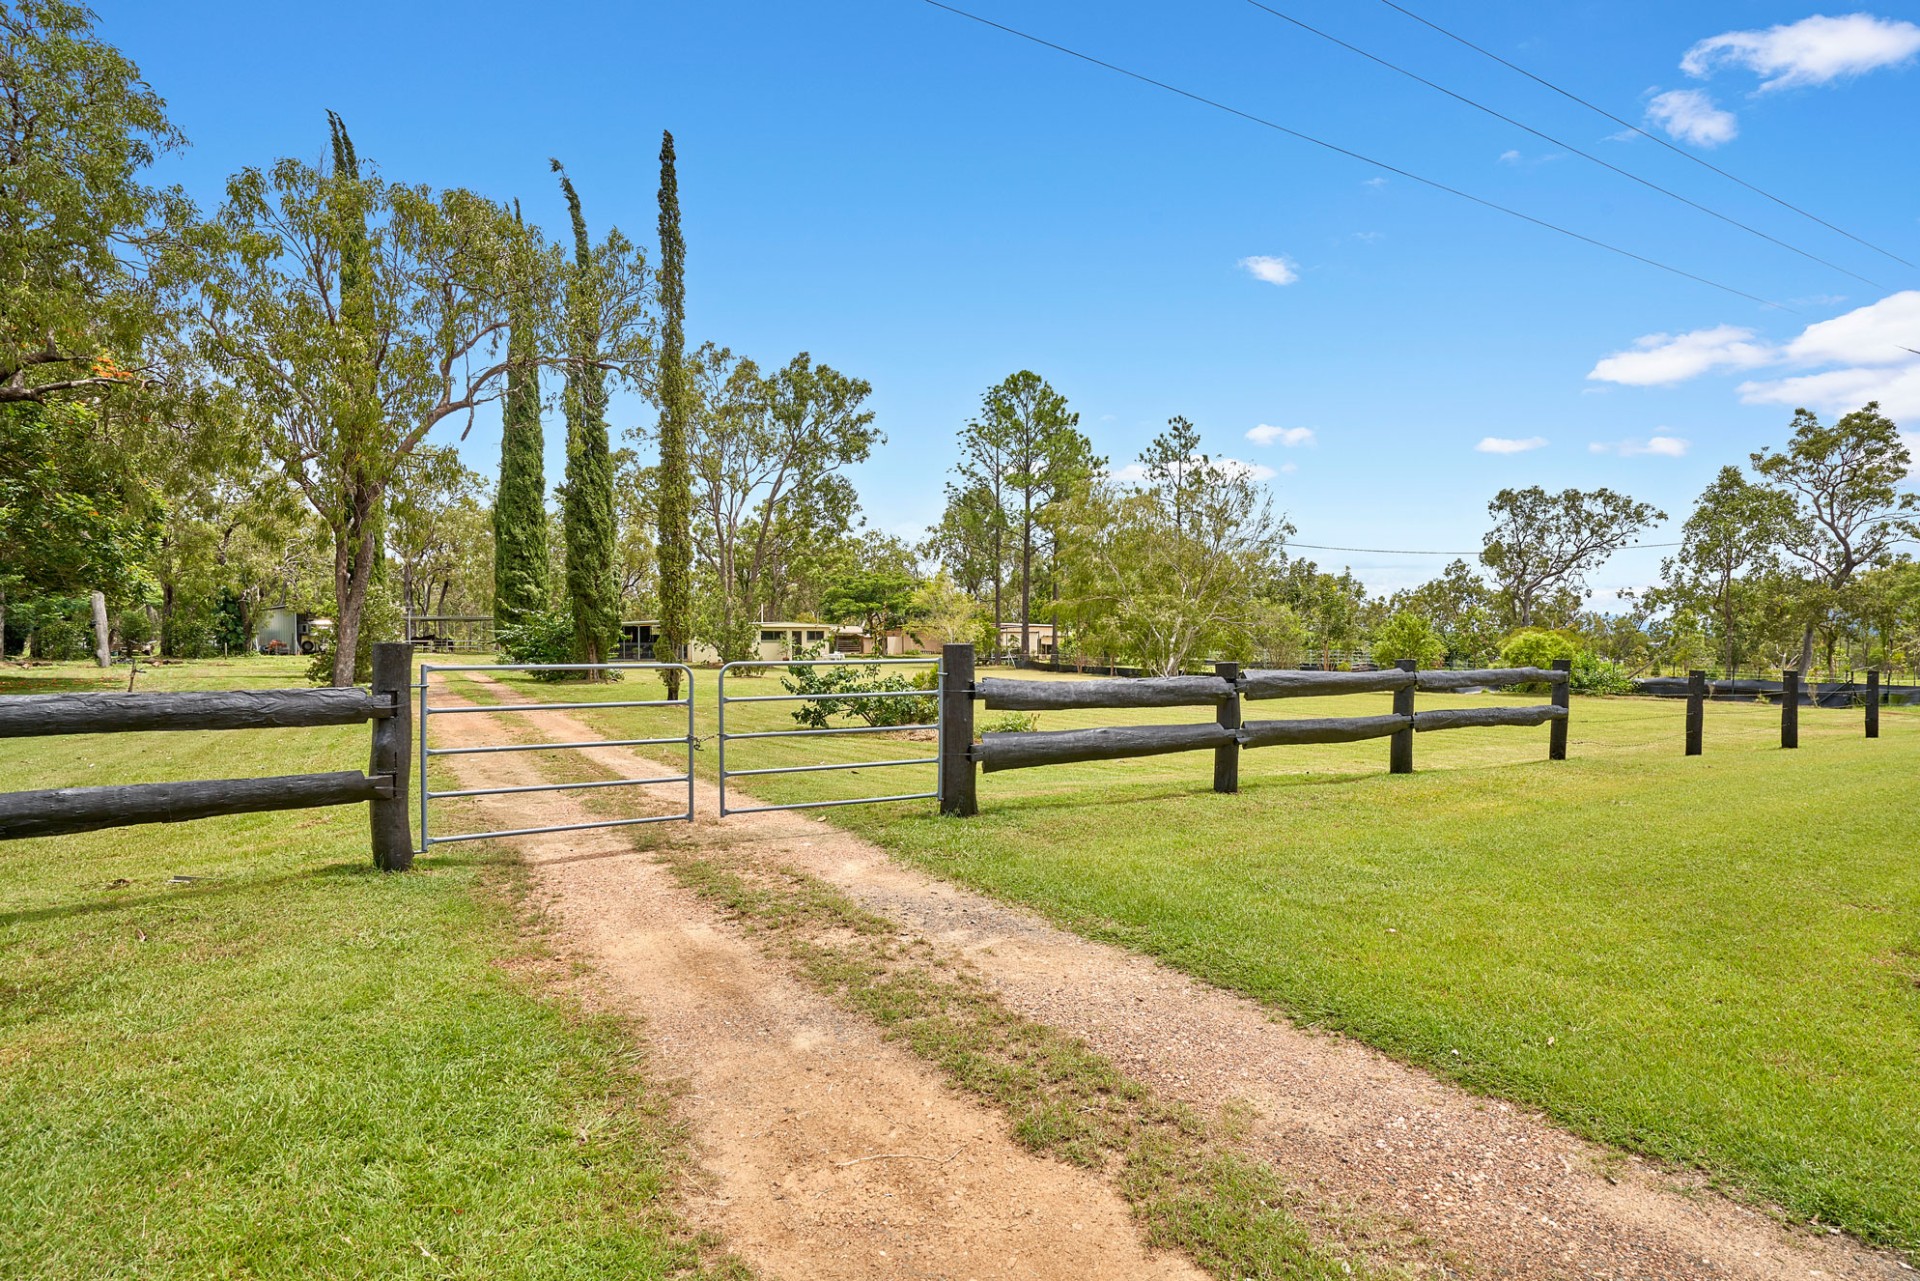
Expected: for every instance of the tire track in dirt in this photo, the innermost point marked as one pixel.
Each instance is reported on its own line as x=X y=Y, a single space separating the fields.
x=1459 y=1184
x=829 y=1153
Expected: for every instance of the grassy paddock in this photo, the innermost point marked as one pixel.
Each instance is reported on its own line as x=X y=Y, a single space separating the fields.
x=290 y=1064
x=1715 y=961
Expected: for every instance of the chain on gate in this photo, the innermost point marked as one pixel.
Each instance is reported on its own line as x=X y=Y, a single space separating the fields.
x=428 y=712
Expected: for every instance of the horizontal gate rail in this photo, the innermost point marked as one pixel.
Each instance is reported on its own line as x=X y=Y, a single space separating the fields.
x=689 y=740
x=833 y=696
x=554 y=707
x=552 y=747
x=821 y=733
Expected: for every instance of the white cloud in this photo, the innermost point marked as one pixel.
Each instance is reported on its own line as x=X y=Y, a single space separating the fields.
x=1660 y=360
x=1287 y=469
x=1273 y=270
x=1812 y=51
x=1691 y=116
x=1882 y=333
x=1509 y=157
x=1840 y=391
x=1652 y=446
x=1375 y=182
x=1505 y=445
x=1291 y=437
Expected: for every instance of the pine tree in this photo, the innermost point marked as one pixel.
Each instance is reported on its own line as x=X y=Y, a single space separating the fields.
x=520 y=506
x=586 y=508
x=676 y=485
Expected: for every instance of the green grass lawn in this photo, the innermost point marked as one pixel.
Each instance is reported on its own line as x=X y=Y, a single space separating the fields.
x=1714 y=961
x=289 y=1064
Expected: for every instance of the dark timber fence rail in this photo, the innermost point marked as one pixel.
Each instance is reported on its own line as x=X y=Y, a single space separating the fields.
x=1791 y=694
x=1226 y=691
x=383 y=787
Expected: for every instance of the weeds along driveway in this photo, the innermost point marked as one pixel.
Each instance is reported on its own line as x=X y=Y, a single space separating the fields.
x=1388 y=1165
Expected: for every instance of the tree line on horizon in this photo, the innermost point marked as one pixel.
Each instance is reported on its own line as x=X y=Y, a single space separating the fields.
x=202 y=415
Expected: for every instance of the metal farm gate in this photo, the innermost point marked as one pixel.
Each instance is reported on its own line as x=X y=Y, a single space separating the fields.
x=689 y=741
x=428 y=711
x=727 y=700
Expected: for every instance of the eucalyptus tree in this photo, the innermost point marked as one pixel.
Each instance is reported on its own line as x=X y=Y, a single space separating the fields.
x=438 y=530
x=1172 y=571
x=1729 y=554
x=352 y=316
x=84 y=311
x=1022 y=454
x=1848 y=509
x=1544 y=545
x=767 y=453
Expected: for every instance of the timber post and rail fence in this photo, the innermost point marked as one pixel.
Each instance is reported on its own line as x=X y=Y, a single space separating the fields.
x=1700 y=691
x=383 y=788
x=1229 y=733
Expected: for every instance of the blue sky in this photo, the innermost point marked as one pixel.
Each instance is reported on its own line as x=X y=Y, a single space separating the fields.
x=931 y=205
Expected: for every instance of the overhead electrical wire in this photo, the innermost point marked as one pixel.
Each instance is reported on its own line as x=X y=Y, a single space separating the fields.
x=1406 y=551
x=1355 y=155
x=1564 y=145
x=1651 y=137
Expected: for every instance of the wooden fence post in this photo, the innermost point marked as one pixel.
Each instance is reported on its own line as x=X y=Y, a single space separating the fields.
x=1696 y=710
x=1400 y=749
x=1226 y=758
x=1873 y=702
x=957 y=795
x=1562 y=698
x=392 y=757
x=1789 y=708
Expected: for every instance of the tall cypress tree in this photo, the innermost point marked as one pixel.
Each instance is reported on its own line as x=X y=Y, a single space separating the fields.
x=352 y=660
x=676 y=484
x=586 y=508
x=520 y=505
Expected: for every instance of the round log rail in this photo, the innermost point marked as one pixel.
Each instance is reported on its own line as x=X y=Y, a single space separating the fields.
x=1003 y=695
x=1482 y=717
x=38 y=715
x=60 y=811
x=1273 y=683
x=1441 y=682
x=1023 y=750
x=1344 y=729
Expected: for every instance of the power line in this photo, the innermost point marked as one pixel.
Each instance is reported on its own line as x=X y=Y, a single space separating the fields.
x=1628 y=124
x=1404 y=551
x=1567 y=146
x=1355 y=155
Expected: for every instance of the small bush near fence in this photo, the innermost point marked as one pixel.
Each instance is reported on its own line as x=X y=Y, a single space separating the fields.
x=545 y=636
x=825 y=683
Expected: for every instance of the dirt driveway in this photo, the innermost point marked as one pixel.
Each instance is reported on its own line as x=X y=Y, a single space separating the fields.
x=834 y=1153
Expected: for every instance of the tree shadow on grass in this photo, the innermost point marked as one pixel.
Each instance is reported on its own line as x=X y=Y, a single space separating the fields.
x=214 y=888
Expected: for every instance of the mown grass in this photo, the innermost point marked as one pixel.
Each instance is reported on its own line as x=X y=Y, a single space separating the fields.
x=1715 y=961
x=289 y=1064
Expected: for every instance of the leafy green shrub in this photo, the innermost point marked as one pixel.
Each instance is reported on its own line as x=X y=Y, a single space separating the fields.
x=832 y=685
x=1408 y=635
x=1593 y=674
x=1537 y=647
x=1011 y=723
x=541 y=636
